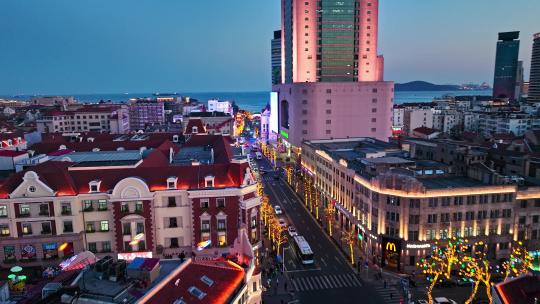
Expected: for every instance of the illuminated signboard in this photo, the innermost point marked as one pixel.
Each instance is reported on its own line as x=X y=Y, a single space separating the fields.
x=130 y=256
x=284 y=134
x=274 y=120
x=391 y=253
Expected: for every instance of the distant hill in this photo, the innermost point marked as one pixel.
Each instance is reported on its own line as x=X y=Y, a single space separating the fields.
x=425 y=86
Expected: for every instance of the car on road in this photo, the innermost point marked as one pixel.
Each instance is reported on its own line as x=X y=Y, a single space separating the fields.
x=282 y=222
x=443 y=300
x=277 y=210
x=465 y=282
x=292 y=231
x=446 y=283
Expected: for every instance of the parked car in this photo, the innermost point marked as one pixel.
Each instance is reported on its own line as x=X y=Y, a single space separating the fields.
x=443 y=300
x=278 y=210
x=446 y=283
x=292 y=231
x=282 y=222
x=465 y=282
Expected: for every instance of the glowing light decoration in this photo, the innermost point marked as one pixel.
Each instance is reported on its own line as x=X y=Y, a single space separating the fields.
x=202 y=245
x=130 y=256
x=137 y=239
x=63 y=246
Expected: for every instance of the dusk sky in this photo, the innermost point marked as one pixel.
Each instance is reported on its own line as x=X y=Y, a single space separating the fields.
x=103 y=46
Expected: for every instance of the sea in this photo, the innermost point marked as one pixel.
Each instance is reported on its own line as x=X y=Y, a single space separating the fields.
x=256 y=101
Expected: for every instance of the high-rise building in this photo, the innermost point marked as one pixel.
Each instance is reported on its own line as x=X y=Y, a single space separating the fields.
x=332 y=75
x=520 y=78
x=506 y=65
x=534 y=81
x=276 y=58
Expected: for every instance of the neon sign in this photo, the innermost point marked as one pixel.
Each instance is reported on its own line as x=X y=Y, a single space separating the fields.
x=284 y=134
x=203 y=244
x=130 y=256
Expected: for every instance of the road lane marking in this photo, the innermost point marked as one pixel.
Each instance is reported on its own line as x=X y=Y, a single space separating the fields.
x=336 y=283
x=355 y=279
x=306 y=281
x=327 y=282
x=320 y=281
x=324 y=262
x=339 y=262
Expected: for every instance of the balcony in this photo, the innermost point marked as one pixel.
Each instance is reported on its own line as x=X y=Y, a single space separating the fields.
x=66 y=212
x=90 y=209
x=44 y=213
x=24 y=214
x=173 y=226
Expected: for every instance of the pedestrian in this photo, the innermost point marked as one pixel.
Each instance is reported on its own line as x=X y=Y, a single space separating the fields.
x=384 y=284
x=269 y=281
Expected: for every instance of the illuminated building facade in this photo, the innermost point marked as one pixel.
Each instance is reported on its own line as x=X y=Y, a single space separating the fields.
x=401 y=206
x=148 y=202
x=332 y=77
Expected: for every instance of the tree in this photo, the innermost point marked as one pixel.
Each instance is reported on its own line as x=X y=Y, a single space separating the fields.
x=280 y=237
x=477 y=268
x=266 y=209
x=329 y=214
x=260 y=187
x=289 y=174
x=349 y=237
x=439 y=264
x=519 y=263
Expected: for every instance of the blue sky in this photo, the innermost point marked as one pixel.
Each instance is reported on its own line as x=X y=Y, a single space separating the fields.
x=103 y=46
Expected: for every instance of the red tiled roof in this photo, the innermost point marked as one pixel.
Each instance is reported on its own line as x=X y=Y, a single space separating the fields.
x=195 y=122
x=227 y=277
x=11 y=153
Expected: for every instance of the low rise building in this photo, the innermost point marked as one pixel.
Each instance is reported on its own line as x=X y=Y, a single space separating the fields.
x=225 y=107
x=401 y=206
x=95 y=118
x=144 y=202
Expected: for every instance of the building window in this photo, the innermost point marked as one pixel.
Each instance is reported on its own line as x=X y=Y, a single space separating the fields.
x=173 y=243
x=328 y=121
x=126 y=228
x=222 y=240
x=87 y=206
x=68 y=226
x=3 y=211
x=171 y=201
x=104 y=226
x=66 y=209
x=102 y=205
x=124 y=208
x=328 y=131
x=4 y=230
x=205 y=204
x=106 y=246
x=304 y=102
x=44 y=209
x=139 y=207
x=328 y=111
x=209 y=181
x=173 y=222
x=24 y=210
x=220 y=203
x=90 y=227
x=92 y=246
x=205 y=226
x=26 y=229
x=304 y=112
x=304 y=132
x=140 y=228
x=94 y=186
x=171 y=183
x=328 y=101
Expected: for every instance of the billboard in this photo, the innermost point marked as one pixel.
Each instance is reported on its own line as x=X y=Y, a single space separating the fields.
x=274 y=117
x=391 y=253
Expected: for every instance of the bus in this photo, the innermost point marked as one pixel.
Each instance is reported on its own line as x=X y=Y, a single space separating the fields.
x=302 y=250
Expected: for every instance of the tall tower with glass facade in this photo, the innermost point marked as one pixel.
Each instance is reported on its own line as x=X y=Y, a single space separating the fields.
x=276 y=57
x=330 y=41
x=332 y=76
x=534 y=80
x=506 y=65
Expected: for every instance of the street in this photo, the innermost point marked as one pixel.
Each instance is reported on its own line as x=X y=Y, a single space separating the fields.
x=331 y=277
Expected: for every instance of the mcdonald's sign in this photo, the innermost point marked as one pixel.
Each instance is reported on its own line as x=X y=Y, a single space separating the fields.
x=390 y=246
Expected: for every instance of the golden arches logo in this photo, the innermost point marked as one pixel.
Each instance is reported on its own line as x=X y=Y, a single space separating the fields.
x=391 y=247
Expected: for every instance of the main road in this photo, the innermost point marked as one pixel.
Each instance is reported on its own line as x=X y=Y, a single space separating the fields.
x=331 y=279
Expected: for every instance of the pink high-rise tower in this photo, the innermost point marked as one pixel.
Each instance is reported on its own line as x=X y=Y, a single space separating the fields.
x=331 y=72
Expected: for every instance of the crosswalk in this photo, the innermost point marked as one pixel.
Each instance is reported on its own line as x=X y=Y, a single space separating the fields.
x=390 y=295
x=325 y=282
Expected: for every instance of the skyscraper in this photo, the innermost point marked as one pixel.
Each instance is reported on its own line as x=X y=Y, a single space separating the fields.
x=534 y=80
x=276 y=58
x=506 y=65
x=332 y=75
x=330 y=41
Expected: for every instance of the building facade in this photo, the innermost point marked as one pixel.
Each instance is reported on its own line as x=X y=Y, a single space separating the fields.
x=412 y=203
x=275 y=51
x=331 y=72
x=506 y=65
x=143 y=114
x=151 y=206
x=534 y=80
x=113 y=119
